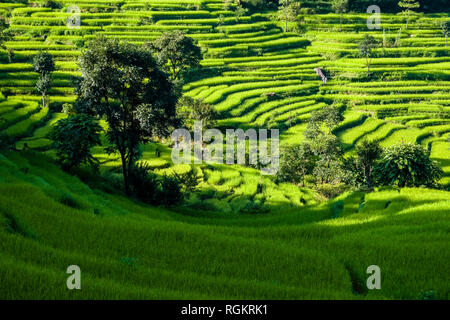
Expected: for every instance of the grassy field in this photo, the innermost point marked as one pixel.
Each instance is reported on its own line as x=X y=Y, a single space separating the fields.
x=130 y=250
x=242 y=235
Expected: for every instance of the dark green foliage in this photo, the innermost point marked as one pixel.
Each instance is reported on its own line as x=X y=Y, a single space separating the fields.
x=390 y=6
x=10 y=53
x=446 y=30
x=143 y=183
x=330 y=191
x=367 y=154
x=190 y=110
x=124 y=83
x=68 y=109
x=178 y=51
x=239 y=12
x=337 y=208
x=68 y=200
x=330 y=116
x=170 y=193
x=407 y=165
x=189 y=180
x=5 y=35
x=296 y=162
x=288 y=11
x=43 y=63
x=51 y=4
x=73 y=139
x=6 y=142
x=259 y=5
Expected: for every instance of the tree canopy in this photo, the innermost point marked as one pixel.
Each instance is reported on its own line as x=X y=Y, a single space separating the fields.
x=124 y=83
x=177 y=52
x=407 y=165
x=288 y=11
x=73 y=139
x=44 y=65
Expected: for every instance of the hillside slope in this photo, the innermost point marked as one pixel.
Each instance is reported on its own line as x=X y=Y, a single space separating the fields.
x=129 y=250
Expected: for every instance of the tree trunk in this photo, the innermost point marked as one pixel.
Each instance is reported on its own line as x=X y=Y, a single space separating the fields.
x=368 y=178
x=125 y=173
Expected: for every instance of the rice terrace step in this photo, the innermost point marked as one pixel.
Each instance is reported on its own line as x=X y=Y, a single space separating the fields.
x=98 y=96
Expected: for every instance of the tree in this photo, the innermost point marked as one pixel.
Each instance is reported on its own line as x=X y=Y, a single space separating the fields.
x=297 y=161
x=330 y=116
x=73 y=139
x=188 y=180
x=5 y=35
x=190 y=110
x=367 y=153
x=327 y=147
x=124 y=83
x=366 y=47
x=407 y=6
x=446 y=30
x=239 y=12
x=288 y=11
x=407 y=165
x=341 y=7
x=178 y=51
x=44 y=65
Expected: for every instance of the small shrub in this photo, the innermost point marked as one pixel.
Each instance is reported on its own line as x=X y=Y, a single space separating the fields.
x=189 y=180
x=68 y=200
x=331 y=190
x=51 y=4
x=170 y=193
x=337 y=209
x=143 y=183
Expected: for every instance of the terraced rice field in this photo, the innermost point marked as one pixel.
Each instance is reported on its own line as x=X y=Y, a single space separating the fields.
x=241 y=236
x=253 y=73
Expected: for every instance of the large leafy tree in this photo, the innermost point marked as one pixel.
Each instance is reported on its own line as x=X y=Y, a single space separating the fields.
x=73 y=139
x=124 y=83
x=407 y=165
x=408 y=6
x=288 y=11
x=340 y=7
x=176 y=51
x=329 y=116
x=297 y=161
x=44 y=65
x=366 y=47
x=367 y=154
x=446 y=30
x=190 y=110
